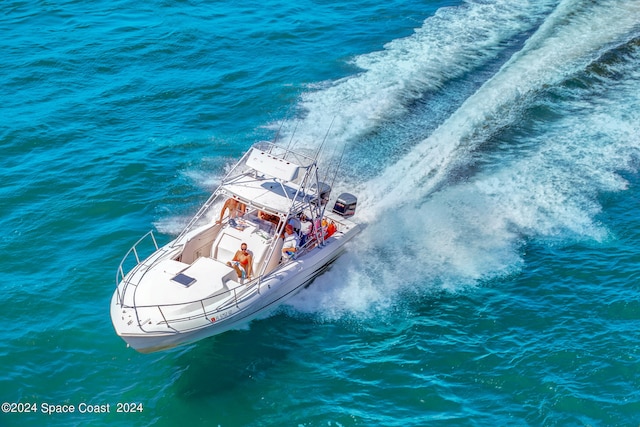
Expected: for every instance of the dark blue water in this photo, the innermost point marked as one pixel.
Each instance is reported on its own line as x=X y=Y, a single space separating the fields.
x=494 y=148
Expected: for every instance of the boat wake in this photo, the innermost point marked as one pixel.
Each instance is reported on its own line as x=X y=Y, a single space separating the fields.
x=446 y=47
x=525 y=157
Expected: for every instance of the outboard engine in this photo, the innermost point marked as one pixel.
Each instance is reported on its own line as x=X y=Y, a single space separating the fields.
x=345 y=205
x=324 y=191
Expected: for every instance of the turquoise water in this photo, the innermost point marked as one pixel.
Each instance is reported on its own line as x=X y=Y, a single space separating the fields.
x=494 y=146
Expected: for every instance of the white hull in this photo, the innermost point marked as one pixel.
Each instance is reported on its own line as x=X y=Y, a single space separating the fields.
x=242 y=304
x=253 y=301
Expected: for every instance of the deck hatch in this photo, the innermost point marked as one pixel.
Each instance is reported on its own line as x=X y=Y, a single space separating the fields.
x=184 y=280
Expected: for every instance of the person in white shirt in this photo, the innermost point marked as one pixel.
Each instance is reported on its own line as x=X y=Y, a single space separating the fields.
x=291 y=242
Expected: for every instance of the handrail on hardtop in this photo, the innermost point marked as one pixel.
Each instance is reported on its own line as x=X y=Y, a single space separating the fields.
x=267 y=146
x=121 y=274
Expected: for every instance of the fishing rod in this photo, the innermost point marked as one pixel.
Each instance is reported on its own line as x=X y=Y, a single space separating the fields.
x=292 y=135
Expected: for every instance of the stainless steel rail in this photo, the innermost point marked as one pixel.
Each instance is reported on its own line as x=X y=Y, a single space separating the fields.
x=121 y=273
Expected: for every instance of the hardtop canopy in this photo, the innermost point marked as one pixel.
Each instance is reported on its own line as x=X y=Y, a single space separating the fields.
x=274 y=179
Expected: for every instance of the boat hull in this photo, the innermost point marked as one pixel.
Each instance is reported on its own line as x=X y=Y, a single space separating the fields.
x=254 y=300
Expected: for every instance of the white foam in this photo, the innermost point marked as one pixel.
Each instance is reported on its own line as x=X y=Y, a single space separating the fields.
x=449 y=44
x=425 y=231
x=474 y=231
x=567 y=42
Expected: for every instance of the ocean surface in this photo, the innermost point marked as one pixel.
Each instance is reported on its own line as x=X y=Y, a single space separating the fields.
x=493 y=145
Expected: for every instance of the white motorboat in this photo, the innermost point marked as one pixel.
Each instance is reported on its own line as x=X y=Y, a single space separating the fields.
x=190 y=289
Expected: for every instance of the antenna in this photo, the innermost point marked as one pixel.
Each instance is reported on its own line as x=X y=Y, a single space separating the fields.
x=275 y=138
x=338 y=167
x=325 y=138
x=326 y=172
x=334 y=175
x=292 y=135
